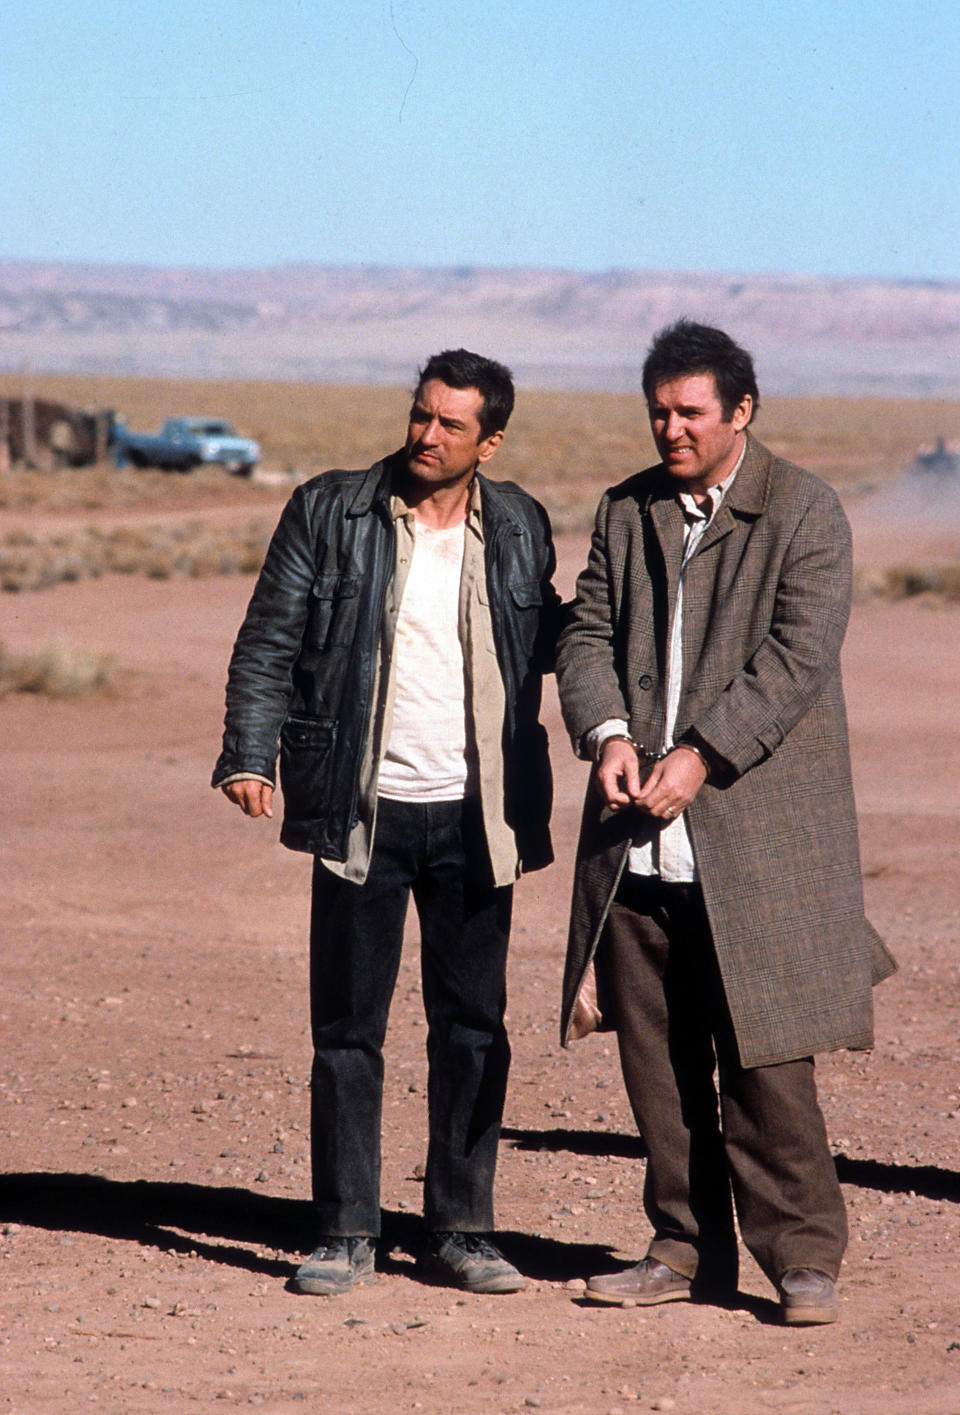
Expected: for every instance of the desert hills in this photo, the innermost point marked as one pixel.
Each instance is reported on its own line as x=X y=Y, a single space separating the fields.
x=557 y=328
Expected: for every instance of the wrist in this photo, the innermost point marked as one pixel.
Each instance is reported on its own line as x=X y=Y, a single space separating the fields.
x=689 y=747
x=697 y=752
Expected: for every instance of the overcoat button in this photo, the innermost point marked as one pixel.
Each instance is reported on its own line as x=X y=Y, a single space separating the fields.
x=645 y=681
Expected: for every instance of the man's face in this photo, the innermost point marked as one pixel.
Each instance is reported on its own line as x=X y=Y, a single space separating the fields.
x=697 y=446
x=444 y=443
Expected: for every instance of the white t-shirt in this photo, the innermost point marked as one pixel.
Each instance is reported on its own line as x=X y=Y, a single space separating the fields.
x=426 y=753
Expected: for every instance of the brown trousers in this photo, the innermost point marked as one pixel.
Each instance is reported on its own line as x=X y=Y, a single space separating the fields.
x=758 y=1132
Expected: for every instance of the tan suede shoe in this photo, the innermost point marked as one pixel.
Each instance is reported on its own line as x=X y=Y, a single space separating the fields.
x=646 y=1283
x=807 y=1298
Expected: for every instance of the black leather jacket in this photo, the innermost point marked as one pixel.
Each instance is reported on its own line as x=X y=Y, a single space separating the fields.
x=303 y=666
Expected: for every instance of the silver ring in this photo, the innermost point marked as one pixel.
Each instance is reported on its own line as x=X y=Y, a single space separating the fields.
x=669 y=815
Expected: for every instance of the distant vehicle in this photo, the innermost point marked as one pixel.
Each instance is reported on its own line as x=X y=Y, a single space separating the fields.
x=185 y=443
x=939 y=459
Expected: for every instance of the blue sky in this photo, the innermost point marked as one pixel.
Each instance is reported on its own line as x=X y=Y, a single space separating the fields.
x=731 y=135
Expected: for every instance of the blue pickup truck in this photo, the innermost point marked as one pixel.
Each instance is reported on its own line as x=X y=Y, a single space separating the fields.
x=185 y=443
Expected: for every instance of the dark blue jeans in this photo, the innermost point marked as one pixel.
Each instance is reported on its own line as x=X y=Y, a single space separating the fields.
x=438 y=853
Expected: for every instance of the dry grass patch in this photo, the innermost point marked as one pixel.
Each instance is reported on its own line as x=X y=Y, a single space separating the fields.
x=104 y=487
x=59 y=670
x=30 y=561
x=906 y=581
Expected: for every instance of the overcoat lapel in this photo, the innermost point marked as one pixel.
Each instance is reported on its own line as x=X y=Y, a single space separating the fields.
x=721 y=526
x=666 y=516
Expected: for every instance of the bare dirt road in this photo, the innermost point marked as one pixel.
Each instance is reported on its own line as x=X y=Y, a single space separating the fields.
x=155 y=1059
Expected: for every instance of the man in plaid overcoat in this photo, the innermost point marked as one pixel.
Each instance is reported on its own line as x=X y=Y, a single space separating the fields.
x=718 y=891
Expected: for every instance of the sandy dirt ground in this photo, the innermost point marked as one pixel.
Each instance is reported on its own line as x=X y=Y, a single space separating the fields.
x=155 y=1170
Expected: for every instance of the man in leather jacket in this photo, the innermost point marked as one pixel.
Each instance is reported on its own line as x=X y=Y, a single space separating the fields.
x=393 y=651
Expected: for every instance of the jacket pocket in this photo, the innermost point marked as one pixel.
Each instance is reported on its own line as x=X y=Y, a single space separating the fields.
x=525 y=610
x=333 y=600
x=306 y=765
x=528 y=594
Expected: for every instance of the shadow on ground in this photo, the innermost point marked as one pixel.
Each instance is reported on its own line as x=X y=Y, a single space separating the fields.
x=577 y=1142
x=927 y=1181
x=219 y=1223
x=232 y=1226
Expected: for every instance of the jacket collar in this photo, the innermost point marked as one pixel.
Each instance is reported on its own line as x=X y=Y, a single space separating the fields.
x=376 y=488
x=496 y=507
x=751 y=485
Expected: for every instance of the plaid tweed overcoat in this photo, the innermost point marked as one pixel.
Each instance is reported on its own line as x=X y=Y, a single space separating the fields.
x=774 y=831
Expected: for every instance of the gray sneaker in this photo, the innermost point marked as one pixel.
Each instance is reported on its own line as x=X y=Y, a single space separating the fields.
x=336 y=1266
x=468 y=1261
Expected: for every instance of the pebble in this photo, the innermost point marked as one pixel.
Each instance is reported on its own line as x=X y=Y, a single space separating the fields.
x=663 y=1402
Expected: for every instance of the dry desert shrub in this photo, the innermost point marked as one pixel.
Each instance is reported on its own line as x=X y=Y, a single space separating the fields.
x=949 y=583
x=104 y=487
x=29 y=562
x=907 y=581
x=59 y=670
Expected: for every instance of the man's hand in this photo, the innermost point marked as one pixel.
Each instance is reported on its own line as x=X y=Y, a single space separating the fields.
x=618 y=774
x=255 y=798
x=673 y=783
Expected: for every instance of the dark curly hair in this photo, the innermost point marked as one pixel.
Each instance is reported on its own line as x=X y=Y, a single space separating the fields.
x=686 y=348
x=459 y=368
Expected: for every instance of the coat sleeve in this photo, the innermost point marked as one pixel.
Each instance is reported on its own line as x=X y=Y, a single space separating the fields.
x=259 y=681
x=587 y=678
x=800 y=652
x=553 y=613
